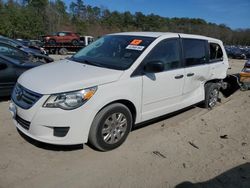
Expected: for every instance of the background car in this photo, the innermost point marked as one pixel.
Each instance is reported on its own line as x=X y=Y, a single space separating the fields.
x=238 y=52
x=25 y=42
x=20 y=54
x=25 y=46
x=10 y=70
x=62 y=37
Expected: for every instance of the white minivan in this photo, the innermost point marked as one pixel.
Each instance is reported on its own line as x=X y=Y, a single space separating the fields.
x=118 y=81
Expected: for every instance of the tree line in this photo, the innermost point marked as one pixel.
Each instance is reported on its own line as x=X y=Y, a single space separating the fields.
x=33 y=18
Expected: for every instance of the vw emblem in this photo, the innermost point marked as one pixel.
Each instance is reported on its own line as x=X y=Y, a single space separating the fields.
x=19 y=94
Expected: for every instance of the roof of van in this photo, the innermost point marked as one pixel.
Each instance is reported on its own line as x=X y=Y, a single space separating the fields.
x=159 y=34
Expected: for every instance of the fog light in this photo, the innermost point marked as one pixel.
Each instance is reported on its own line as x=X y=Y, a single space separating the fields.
x=60 y=131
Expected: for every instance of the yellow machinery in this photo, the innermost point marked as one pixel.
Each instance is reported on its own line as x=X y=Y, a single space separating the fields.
x=245 y=76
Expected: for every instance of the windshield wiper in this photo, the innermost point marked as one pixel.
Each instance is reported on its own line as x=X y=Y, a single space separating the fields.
x=89 y=62
x=85 y=61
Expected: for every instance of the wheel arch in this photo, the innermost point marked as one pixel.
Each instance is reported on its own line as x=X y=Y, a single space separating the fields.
x=130 y=105
x=213 y=81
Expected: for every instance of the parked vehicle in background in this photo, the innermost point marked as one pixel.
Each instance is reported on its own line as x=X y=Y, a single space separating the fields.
x=116 y=82
x=62 y=38
x=63 y=49
x=238 y=52
x=10 y=70
x=247 y=52
x=22 y=46
x=36 y=43
x=25 y=42
x=20 y=54
x=86 y=40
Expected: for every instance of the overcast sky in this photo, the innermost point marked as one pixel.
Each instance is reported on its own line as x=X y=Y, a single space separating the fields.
x=233 y=13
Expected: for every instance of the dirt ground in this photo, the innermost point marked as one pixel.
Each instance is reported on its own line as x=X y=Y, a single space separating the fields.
x=193 y=149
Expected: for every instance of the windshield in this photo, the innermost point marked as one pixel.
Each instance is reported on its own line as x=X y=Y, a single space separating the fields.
x=113 y=51
x=17 y=43
x=11 y=42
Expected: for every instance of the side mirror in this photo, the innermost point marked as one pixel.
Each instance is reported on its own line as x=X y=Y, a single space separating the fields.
x=3 y=66
x=154 y=67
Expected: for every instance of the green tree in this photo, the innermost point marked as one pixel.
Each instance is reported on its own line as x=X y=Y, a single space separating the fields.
x=32 y=18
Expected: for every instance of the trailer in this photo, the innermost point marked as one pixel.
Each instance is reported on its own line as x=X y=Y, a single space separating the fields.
x=62 y=49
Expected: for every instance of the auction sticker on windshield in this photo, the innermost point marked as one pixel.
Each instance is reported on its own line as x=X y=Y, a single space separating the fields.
x=136 y=42
x=133 y=47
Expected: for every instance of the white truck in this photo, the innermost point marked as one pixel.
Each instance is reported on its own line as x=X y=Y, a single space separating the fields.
x=116 y=82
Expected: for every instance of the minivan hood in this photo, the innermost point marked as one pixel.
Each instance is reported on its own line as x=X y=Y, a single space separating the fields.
x=66 y=75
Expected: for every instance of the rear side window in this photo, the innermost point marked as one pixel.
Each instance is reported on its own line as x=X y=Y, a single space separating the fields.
x=194 y=52
x=61 y=34
x=167 y=52
x=215 y=52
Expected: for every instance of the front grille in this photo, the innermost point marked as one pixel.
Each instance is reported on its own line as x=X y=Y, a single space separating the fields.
x=23 y=97
x=25 y=124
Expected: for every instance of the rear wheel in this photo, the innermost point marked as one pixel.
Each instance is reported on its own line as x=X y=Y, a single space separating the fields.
x=110 y=127
x=75 y=42
x=212 y=91
x=63 y=51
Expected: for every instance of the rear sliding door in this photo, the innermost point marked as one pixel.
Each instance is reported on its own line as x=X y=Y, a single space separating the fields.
x=197 y=68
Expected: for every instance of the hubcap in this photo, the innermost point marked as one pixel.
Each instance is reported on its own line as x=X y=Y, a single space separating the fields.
x=213 y=98
x=114 y=128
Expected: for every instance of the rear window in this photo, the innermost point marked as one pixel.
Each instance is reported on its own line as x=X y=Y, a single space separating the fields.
x=194 y=51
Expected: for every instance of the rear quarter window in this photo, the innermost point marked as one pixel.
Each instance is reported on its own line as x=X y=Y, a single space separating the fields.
x=215 y=52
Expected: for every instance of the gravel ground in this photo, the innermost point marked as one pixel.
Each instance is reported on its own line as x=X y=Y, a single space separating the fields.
x=193 y=149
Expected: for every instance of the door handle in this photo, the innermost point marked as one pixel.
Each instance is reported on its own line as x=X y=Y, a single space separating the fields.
x=190 y=74
x=179 y=76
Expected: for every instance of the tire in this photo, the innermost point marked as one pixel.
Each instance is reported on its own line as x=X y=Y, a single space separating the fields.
x=244 y=87
x=110 y=127
x=75 y=42
x=52 y=42
x=63 y=51
x=211 y=95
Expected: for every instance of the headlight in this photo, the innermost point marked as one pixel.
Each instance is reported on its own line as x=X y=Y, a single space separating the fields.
x=70 y=100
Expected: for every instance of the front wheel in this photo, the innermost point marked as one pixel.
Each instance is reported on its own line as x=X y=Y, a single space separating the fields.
x=212 y=91
x=110 y=127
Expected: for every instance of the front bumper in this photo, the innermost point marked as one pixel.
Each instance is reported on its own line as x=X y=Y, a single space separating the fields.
x=44 y=121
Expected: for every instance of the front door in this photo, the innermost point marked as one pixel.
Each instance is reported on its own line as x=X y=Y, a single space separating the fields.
x=162 y=91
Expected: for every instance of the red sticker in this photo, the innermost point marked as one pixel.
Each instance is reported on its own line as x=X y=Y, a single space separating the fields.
x=136 y=42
